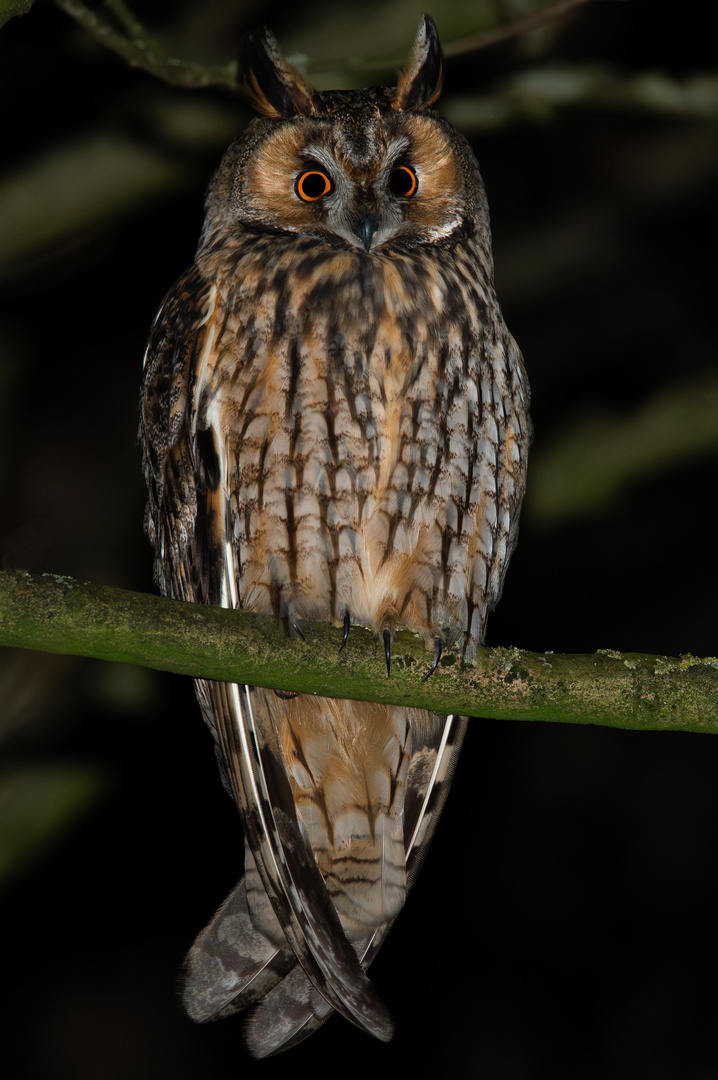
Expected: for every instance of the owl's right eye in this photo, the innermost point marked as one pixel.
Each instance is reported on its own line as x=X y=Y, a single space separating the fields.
x=313 y=185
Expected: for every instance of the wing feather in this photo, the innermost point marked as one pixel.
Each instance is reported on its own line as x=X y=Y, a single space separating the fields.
x=189 y=507
x=231 y=964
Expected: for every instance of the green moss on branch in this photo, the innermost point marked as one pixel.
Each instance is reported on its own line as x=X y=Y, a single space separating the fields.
x=57 y=614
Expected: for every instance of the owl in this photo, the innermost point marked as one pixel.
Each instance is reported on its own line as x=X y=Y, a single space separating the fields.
x=334 y=427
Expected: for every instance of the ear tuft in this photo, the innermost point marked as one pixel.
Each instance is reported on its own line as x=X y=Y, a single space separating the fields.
x=420 y=81
x=274 y=86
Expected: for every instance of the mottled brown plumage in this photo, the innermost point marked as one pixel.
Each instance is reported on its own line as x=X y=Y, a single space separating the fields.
x=334 y=427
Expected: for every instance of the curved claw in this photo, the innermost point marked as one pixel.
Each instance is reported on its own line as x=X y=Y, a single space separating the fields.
x=387 y=650
x=347 y=625
x=437 y=657
x=295 y=626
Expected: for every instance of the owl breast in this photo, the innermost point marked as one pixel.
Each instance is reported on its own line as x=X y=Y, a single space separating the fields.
x=359 y=403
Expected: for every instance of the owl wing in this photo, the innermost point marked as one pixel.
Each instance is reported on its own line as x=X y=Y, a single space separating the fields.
x=189 y=523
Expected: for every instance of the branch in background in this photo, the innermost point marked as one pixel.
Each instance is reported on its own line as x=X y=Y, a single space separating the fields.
x=596 y=458
x=461 y=46
x=142 y=51
x=134 y=44
x=500 y=34
x=57 y=614
x=538 y=94
x=533 y=94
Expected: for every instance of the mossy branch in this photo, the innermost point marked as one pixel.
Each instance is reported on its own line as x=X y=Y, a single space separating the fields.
x=57 y=614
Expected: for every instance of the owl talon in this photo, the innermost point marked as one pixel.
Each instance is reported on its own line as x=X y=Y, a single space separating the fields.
x=437 y=657
x=347 y=627
x=387 y=651
x=295 y=626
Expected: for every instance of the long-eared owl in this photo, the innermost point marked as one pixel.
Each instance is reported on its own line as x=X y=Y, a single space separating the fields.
x=334 y=427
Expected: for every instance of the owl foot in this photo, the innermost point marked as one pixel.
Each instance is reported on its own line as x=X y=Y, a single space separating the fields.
x=347 y=626
x=387 y=651
x=437 y=657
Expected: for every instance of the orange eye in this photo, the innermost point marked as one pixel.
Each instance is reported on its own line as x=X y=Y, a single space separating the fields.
x=403 y=181
x=313 y=185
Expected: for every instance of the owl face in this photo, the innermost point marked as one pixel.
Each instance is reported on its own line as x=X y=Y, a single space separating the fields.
x=366 y=170
x=395 y=181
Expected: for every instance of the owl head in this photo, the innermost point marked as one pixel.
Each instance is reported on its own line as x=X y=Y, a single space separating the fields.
x=367 y=170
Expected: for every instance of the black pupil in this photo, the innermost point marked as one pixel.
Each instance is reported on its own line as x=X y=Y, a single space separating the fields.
x=314 y=185
x=401 y=181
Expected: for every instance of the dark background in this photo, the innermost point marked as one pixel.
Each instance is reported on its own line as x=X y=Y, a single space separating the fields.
x=565 y=923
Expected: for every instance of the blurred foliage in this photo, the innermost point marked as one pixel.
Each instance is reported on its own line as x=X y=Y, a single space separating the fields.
x=596 y=458
x=39 y=804
x=597 y=135
x=40 y=801
x=10 y=8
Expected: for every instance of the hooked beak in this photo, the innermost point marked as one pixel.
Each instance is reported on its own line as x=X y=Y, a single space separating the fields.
x=366 y=227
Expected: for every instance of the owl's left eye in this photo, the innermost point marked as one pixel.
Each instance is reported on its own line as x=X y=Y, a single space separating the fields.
x=403 y=181
x=313 y=185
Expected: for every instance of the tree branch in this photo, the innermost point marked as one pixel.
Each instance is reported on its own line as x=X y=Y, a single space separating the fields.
x=486 y=39
x=140 y=49
x=57 y=614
